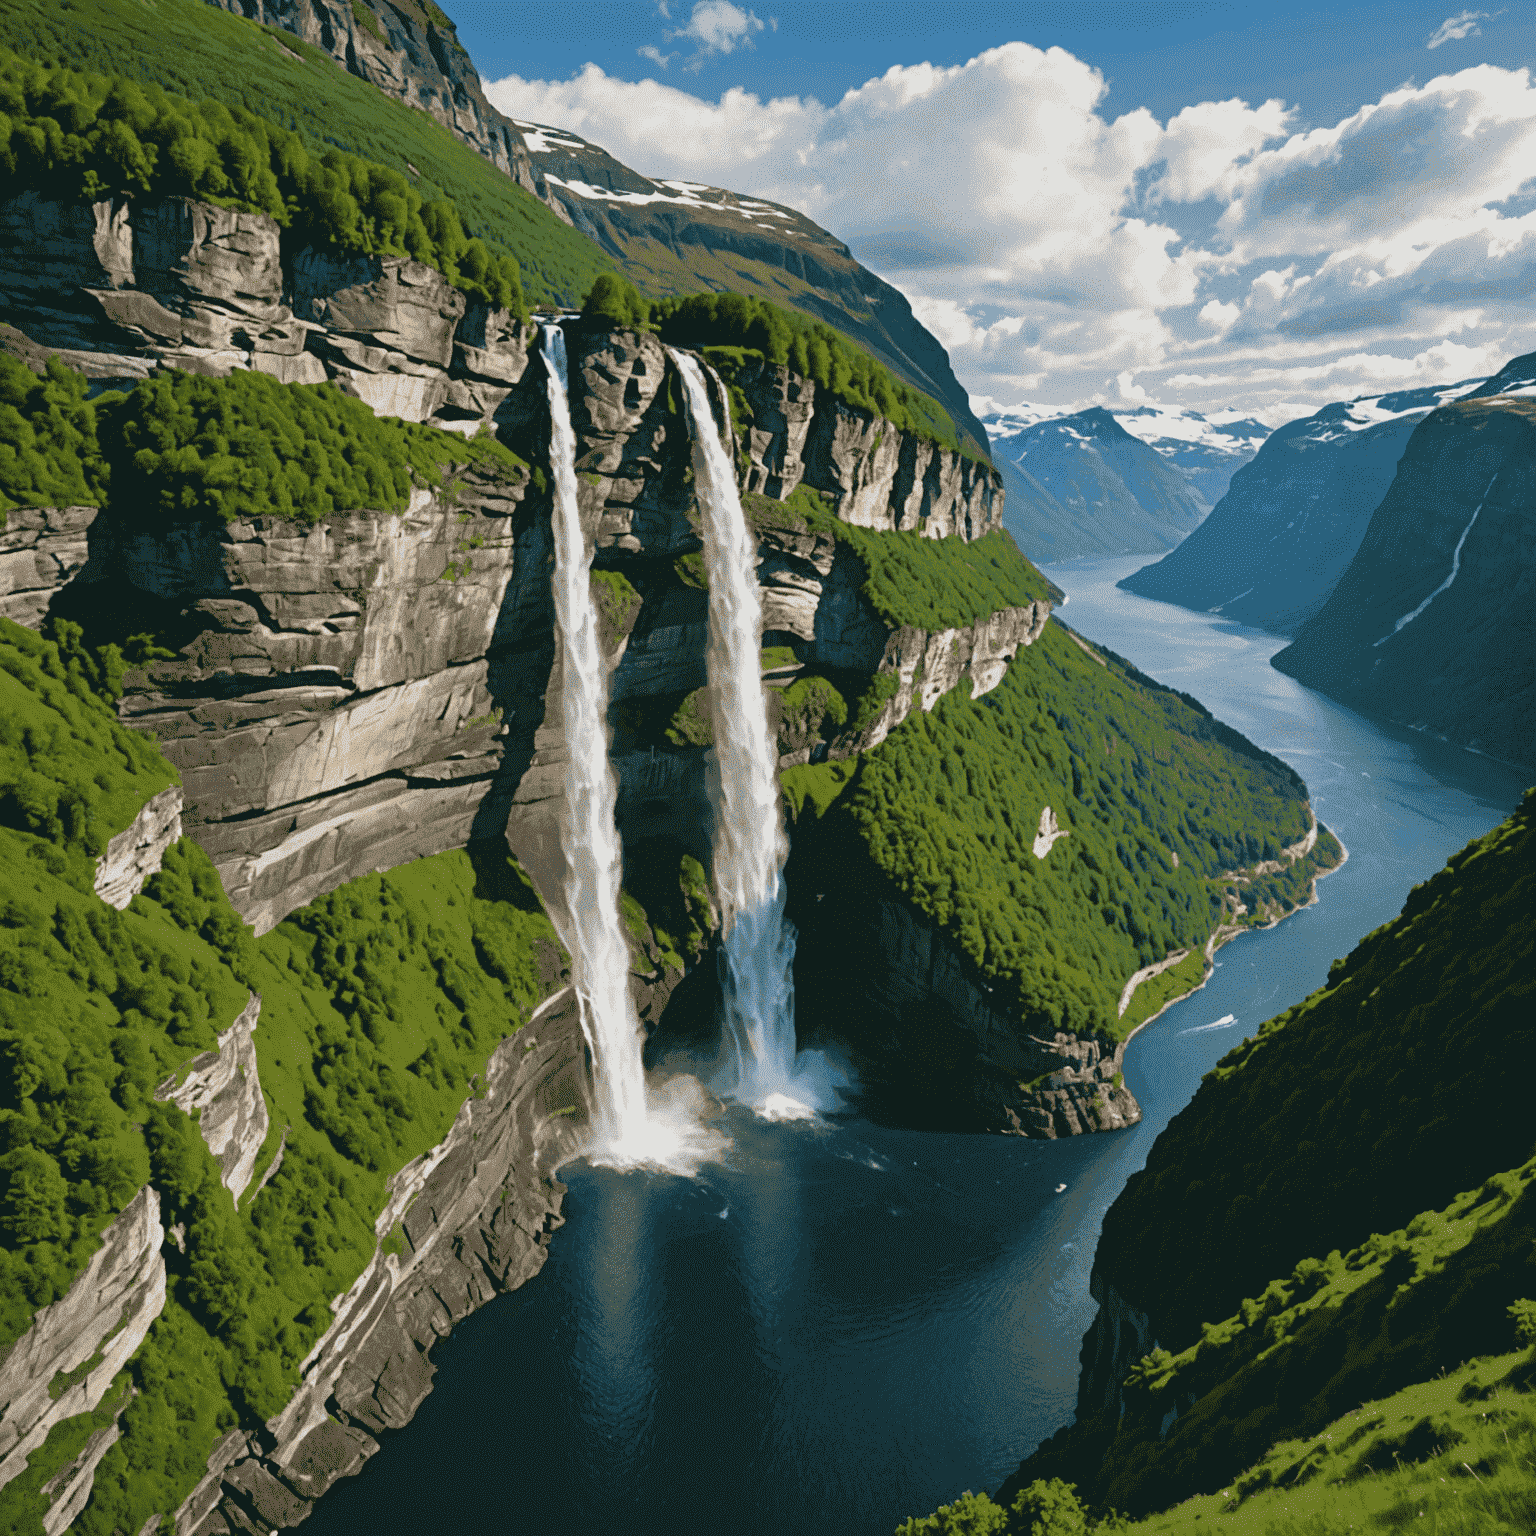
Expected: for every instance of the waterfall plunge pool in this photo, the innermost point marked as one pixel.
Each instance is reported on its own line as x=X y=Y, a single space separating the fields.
x=845 y=1324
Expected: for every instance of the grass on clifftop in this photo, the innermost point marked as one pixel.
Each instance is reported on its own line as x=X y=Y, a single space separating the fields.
x=81 y=137
x=927 y=583
x=203 y=53
x=379 y=1005
x=183 y=448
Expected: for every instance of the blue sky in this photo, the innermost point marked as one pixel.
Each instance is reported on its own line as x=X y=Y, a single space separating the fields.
x=1267 y=207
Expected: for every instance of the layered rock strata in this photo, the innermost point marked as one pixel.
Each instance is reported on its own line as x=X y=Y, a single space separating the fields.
x=64 y=1363
x=120 y=288
x=463 y=1223
x=919 y=1003
x=41 y=549
x=351 y=692
x=221 y=1089
x=136 y=852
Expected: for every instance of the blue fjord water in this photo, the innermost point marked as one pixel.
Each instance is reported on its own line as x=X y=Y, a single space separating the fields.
x=847 y=1324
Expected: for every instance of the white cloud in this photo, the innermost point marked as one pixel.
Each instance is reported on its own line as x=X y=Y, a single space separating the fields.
x=1454 y=28
x=1053 y=249
x=717 y=26
x=1220 y=316
x=655 y=55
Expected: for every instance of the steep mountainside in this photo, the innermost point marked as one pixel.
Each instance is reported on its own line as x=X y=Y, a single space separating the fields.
x=1432 y=624
x=1083 y=485
x=356 y=690
x=1278 y=541
x=1245 y=1268
x=667 y=237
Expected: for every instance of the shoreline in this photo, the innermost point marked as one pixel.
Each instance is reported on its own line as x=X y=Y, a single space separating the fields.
x=1220 y=936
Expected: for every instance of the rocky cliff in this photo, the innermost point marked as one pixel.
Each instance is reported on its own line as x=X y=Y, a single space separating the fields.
x=1282 y=536
x=221 y=1090
x=63 y=1365
x=1431 y=624
x=932 y=1044
x=468 y=1220
x=41 y=548
x=669 y=236
x=351 y=696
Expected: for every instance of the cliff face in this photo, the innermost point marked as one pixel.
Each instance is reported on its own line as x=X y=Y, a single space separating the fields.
x=63 y=1365
x=671 y=237
x=348 y=697
x=468 y=1220
x=1282 y=536
x=119 y=288
x=1431 y=625
x=221 y=1089
x=41 y=549
x=930 y=1042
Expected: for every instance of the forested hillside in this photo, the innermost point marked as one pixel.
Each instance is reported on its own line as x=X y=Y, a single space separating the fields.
x=378 y=1008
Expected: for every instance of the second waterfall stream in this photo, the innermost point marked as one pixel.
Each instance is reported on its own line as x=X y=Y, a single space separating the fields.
x=761 y=1068
x=628 y=1128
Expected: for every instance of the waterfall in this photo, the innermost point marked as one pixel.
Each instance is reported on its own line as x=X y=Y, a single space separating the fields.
x=758 y=947
x=626 y=1130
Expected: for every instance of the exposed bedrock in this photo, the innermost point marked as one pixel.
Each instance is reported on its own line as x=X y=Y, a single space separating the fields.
x=221 y=1090
x=463 y=1223
x=120 y=288
x=929 y=1038
x=41 y=549
x=345 y=698
x=135 y=853
x=64 y=1363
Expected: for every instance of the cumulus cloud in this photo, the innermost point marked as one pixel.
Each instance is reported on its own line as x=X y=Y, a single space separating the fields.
x=1454 y=28
x=1051 y=247
x=717 y=26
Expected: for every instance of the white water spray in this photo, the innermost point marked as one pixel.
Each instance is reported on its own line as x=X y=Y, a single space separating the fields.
x=758 y=950
x=626 y=1132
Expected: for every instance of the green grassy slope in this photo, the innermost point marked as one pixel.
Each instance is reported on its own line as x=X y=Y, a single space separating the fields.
x=945 y=811
x=379 y=1005
x=1384 y=1093
x=197 y=51
x=1454 y=1455
x=1371 y=1149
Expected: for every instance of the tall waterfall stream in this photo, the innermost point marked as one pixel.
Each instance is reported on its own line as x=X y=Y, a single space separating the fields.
x=843 y=1324
x=628 y=1129
x=758 y=944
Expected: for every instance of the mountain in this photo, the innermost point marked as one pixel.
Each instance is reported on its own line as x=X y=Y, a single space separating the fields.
x=668 y=237
x=1084 y=485
x=1432 y=624
x=1208 y=450
x=1271 y=551
x=290 y=1054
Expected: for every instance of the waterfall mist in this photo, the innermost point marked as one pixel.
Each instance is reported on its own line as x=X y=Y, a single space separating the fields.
x=758 y=945
x=628 y=1130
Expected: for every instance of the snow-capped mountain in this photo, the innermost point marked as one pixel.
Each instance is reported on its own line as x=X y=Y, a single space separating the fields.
x=1205 y=450
x=1279 y=540
x=1084 y=485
